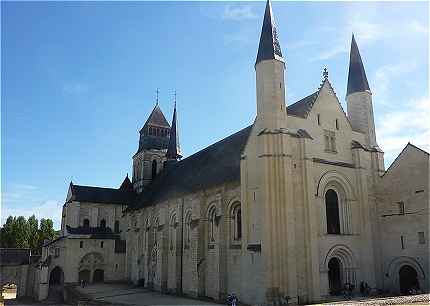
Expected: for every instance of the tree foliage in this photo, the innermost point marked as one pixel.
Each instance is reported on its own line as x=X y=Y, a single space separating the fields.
x=19 y=232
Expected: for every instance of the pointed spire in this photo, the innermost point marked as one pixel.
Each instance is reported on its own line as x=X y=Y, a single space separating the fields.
x=269 y=47
x=357 y=80
x=173 y=150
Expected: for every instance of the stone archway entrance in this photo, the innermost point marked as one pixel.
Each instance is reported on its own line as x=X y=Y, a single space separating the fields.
x=56 y=282
x=91 y=268
x=408 y=279
x=56 y=277
x=334 y=276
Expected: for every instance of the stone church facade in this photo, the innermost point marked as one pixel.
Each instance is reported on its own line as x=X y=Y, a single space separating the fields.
x=291 y=205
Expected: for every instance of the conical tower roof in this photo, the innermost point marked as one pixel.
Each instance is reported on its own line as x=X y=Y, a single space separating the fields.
x=156 y=118
x=357 y=80
x=269 y=47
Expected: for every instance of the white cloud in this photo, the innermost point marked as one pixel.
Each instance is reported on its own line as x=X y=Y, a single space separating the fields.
x=25 y=200
x=386 y=75
x=408 y=124
x=238 y=13
x=365 y=32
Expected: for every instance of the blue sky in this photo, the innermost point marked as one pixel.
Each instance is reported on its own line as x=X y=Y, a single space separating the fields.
x=79 y=80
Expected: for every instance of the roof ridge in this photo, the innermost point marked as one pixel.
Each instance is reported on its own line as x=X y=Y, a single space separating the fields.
x=213 y=144
x=418 y=148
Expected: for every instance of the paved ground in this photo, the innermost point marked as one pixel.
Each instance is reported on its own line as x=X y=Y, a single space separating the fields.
x=420 y=299
x=120 y=294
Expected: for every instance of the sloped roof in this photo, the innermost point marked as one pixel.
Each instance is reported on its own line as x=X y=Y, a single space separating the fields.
x=215 y=165
x=14 y=256
x=100 y=195
x=156 y=118
x=94 y=232
x=302 y=107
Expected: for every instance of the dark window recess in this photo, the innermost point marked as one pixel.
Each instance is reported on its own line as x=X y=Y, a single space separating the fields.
x=120 y=246
x=332 y=212
x=116 y=226
x=319 y=119
x=402 y=241
x=337 y=124
x=419 y=191
x=81 y=244
x=86 y=223
x=401 y=207
x=154 y=169
x=103 y=223
x=101 y=244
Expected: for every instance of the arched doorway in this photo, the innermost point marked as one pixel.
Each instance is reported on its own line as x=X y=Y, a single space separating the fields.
x=56 y=281
x=408 y=279
x=98 y=276
x=91 y=268
x=334 y=276
x=56 y=277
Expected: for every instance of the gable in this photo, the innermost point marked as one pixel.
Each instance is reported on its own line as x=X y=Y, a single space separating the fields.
x=409 y=155
x=329 y=109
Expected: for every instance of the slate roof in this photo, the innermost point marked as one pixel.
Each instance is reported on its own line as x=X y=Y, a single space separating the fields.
x=357 y=80
x=156 y=118
x=217 y=164
x=269 y=47
x=14 y=257
x=94 y=232
x=302 y=107
x=100 y=195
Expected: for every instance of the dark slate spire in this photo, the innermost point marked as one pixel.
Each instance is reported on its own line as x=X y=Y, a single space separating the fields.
x=269 y=47
x=173 y=150
x=357 y=80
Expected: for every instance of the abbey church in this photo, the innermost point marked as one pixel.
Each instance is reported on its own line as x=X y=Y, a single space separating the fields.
x=296 y=204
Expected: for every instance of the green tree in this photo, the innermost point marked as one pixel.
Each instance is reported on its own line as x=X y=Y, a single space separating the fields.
x=6 y=239
x=46 y=232
x=33 y=227
x=21 y=232
x=18 y=232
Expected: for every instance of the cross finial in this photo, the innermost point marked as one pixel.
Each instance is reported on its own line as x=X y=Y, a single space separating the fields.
x=325 y=74
x=156 y=99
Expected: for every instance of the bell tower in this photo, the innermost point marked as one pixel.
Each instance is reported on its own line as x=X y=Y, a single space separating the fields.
x=151 y=155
